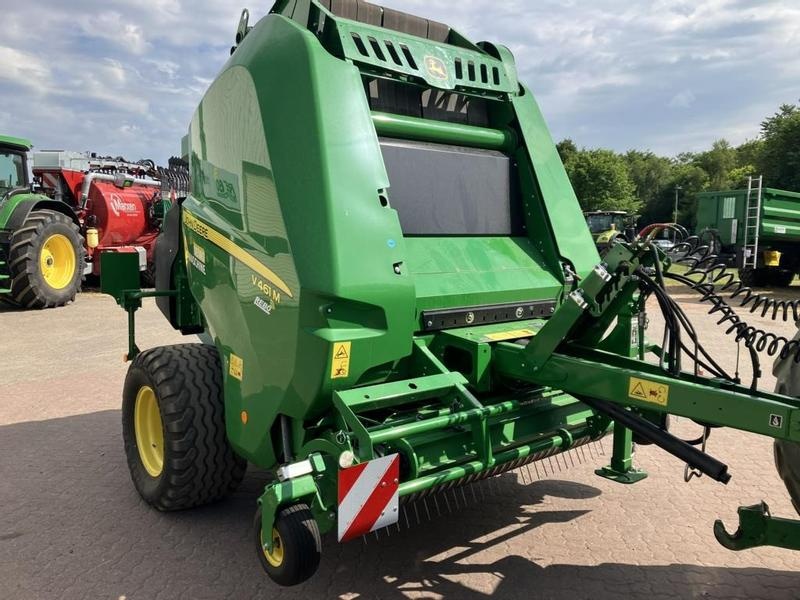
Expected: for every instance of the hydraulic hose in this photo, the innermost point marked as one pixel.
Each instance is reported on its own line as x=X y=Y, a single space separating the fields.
x=710 y=278
x=687 y=453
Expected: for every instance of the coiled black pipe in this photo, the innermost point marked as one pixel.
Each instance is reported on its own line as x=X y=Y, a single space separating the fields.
x=712 y=279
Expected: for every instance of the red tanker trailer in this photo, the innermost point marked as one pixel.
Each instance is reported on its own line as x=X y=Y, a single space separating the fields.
x=59 y=216
x=119 y=205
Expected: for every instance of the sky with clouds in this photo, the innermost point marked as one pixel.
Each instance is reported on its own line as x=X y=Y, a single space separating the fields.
x=124 y=76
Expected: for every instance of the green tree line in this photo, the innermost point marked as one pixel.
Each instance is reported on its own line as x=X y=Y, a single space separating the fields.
x=644 y=183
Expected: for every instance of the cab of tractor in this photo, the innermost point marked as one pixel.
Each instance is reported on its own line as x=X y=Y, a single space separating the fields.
x=608 y=225
x=15 y=174
x=601 y=221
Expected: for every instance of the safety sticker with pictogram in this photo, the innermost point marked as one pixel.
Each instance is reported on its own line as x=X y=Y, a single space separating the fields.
x=368 y=497
x=648 y=391
x=340 y=363
x=236 y=367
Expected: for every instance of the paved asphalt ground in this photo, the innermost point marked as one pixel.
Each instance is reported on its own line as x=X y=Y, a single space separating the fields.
x=72 y=526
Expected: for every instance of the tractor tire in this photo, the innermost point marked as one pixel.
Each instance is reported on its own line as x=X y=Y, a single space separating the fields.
x=787 y=454
x=173 y=427
x=148 y=277
x=297 y=546
x=46 y=260
x=781 y=278
x=753 y=278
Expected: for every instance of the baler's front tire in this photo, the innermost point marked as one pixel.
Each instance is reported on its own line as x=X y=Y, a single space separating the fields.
x=297 y=546
x=46 y=260
x=173 y=426
x=787 y=454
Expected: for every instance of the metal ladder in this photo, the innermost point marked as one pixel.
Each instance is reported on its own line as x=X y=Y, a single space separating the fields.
x=752 y=222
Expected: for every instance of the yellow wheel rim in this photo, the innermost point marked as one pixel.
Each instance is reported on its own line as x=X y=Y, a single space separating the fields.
x=57 y=261
x=149 y=431
x=274 y=558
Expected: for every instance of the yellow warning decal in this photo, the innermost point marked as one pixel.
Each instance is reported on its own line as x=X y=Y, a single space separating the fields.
x=509 y=335
x=648 y=391
x=236 y=367
x=340 y=364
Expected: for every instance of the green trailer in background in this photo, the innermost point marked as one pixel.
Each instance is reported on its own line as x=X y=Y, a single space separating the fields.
x=757 y=229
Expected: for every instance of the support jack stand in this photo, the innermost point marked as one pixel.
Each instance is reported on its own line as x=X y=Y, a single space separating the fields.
x=621 y=469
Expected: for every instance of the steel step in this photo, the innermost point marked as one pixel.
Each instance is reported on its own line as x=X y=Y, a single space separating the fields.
x=5 y=276
x=398 y=393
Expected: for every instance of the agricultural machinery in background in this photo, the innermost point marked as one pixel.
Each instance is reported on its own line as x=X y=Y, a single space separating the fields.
x=756 y=230
x=60 y=210
x=397 y=295
x=608 y=226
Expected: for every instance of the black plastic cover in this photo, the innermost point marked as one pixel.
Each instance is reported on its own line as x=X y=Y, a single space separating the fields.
x=451 y=190
x=372 y=14
x=165 y=252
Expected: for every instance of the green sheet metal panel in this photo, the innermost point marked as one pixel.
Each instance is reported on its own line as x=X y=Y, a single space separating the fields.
x=454 y=272
x=780 y=216
x=288 y=128
x=722 y=211
x=725 y=211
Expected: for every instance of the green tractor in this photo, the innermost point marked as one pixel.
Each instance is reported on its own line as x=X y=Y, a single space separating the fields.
x=397 y=295
x=41 y=248
x=608 y=225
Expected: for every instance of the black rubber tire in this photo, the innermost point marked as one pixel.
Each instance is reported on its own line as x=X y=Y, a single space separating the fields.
x=302 y=545
x=28 y=287
x=787 y=461
x=781 y=278
x=787 y=454
x=148 y=277
x=754 y=278
x=200 y=466
x=710 y=238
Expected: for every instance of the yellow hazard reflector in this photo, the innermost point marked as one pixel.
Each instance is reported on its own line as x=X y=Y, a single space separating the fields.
x=509 y=335
x=340 y=362
x=772 y=258
x=648 y=391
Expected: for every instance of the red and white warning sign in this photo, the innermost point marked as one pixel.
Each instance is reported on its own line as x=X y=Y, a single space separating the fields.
x=368 y=496
x=50 y=180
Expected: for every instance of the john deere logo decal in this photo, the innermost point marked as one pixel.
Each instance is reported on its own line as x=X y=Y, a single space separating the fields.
x=435 y=67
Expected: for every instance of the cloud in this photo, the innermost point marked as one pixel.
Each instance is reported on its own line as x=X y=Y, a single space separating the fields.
x=124 y=77
x=23 y=69
x=682 y=99
x=112 y=26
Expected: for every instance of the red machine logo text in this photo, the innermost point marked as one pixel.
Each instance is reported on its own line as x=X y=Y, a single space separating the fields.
x=120 y=206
